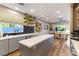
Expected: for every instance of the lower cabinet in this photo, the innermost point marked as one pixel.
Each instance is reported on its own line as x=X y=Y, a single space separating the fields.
x=3 y=47
x=13 y=43
x=9 y=45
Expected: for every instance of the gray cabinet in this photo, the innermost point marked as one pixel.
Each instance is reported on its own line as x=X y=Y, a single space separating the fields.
x=9 y=45
x=13 y=43
x=3 y=47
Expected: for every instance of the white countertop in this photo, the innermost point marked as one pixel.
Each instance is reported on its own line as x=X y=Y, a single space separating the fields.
x=76 y=46
x=35 y=40
x=15 y=36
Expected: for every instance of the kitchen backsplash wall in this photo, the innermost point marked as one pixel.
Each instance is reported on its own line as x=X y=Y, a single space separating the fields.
x=11 y=27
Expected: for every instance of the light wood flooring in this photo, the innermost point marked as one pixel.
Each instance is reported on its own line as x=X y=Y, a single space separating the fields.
x=59 y=48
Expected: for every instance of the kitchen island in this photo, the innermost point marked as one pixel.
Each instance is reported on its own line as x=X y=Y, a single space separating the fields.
x=36 y=46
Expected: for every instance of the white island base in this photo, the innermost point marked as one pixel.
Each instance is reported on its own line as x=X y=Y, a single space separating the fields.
x=36 y=46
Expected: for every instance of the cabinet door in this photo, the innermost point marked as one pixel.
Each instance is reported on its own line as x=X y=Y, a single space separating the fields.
x=3 y=47
x=13 y=43
x=50 y=42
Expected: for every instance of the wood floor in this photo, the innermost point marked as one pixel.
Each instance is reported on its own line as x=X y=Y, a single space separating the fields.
x=59 y=48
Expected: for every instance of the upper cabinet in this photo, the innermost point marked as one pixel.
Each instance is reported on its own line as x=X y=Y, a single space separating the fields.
x=8 y=15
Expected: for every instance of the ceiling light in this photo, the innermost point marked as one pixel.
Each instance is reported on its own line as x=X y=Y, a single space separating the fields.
x=32 y=10
x=16 y=7
x=57 y=11
x=42 y=15
x=47 y=18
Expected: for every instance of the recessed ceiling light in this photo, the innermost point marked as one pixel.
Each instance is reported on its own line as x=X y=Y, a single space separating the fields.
x=32 y=10
x=16 y=7
x=47 y=18
x=42 y=15
x=57 y=11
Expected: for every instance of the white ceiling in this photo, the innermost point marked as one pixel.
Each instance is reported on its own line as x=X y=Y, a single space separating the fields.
x=47 y=10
